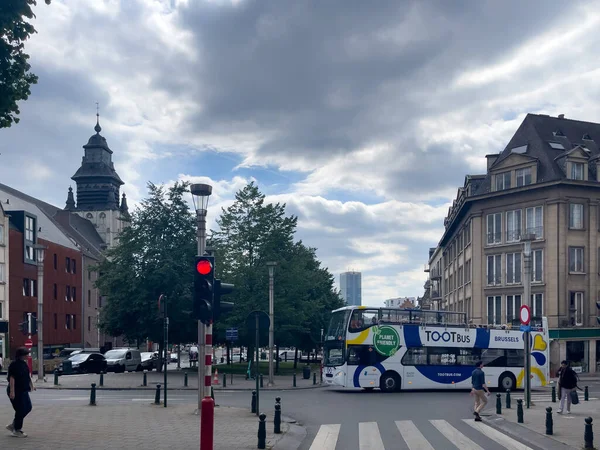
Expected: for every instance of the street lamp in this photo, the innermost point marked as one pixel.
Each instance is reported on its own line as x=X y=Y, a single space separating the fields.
x=271 y=265
x=526 y=240
x=40 y=251
x=200 y=195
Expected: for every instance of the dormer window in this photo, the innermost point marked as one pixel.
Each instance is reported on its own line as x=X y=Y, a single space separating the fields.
x=559 y=133
x=503 y=181
x=523 y=176
x=587 y=137
x=576 y=171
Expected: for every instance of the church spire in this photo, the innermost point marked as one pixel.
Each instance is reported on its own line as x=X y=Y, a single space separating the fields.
x=70 y=200
x=97 y=128
x=124 y=207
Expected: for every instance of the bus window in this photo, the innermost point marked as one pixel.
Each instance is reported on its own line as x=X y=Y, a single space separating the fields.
x=468 y=356
x=362 y=319
x=442 y=356
x=362 y=355
x=415 y=356
x=493 y=357
x=515 y=357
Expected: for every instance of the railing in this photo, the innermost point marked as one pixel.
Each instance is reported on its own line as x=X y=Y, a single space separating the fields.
x=421 y=317
x=494 y=238
x=513 y=236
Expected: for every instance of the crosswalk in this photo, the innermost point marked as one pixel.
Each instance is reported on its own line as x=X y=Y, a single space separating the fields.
x=465 y=434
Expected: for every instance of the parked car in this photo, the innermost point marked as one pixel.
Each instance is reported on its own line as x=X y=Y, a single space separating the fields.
x=173 y=357
x=86 y=363
x=149 y=360
x=123 y=359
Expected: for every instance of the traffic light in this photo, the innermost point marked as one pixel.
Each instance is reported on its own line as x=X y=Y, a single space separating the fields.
x=33 y=325
x=24 y=327
x=220 y=307
x=204 y=280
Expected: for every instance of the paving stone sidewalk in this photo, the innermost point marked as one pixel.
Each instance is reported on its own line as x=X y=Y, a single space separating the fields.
x=138 y=426
x=175 y=380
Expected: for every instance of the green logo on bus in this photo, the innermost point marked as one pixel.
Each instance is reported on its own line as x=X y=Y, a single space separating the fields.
x=386 y=340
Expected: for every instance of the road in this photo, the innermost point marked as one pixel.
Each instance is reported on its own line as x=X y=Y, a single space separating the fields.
x=425 y=420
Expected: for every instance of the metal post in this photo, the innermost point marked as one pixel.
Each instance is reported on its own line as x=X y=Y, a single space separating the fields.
x=101 y=379
x=201 y=244
x=586 y=394
x=519 y=411
x=29 y=358
x=271 y=265
x=157 y=395
x=498 y=404
x=185 y=380
x=508 y=399
x=40 y=314
x=257 y=369
x=549 y=421
x=145 y=380
x=553 y=394
x=166 y=339
x=588 y=434
x=527 y=301
x=93 y=395
x=262 y=431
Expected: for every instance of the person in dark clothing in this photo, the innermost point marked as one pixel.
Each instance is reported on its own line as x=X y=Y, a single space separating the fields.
x=479 y=390
x=567 y=382
x=19 y=386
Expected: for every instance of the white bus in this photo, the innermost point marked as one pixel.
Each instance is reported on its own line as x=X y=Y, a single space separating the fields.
x=393 y=349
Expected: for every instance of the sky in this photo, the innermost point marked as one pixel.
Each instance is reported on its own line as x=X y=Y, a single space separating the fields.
x=362 y=117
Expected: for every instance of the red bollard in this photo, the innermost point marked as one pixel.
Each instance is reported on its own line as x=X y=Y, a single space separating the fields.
x=207 y=423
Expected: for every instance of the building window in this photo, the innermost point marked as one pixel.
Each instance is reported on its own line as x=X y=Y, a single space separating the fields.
x=513 y=268
x=29 y=253
x=26 y=287
x=513 y=226
x=468 y=233
x=523 y=176
x=576 y=216
x=537 y=301
x=55 y=261
x=55 y=321
x=73 y=294
x=55 y=291
x=576 y=308
x=1 y=234
x=576 y=171
x=89 y=323
x=74 y=265
x=513 y=304
x=89 y=298
x=494 y=270
x=1 y=310
x=29 y=229
x=494 y=309
x=467 y=271
x=89 y=274
x=534 y=223
x=2 y=273
x=503 y=181
x=576 y=259
x=74 y=321
x=68 y=322
x=67 y=264
x=494 y=228
x=68 y=293
x=537 y=266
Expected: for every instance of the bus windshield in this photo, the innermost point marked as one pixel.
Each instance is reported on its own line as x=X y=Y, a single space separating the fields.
x=337 y=326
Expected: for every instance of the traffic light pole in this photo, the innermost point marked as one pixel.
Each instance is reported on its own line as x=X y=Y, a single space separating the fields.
x=40 y=317
x=201 y=242
x=29 y=331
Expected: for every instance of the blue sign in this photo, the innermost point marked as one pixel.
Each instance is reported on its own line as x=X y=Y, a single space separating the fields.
x=525 y=328
x=231 y=334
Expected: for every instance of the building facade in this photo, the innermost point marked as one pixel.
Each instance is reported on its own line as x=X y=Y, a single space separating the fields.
x=400 y=302
x=351 y=289
x=4 y=283
x=545 y=185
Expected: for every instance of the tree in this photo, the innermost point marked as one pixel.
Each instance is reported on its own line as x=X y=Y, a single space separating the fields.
x=252 y=232
x=154 y=256
x=15 y=77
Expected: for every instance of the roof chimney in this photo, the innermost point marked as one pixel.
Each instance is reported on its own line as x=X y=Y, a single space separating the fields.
x=561 y=116
x=491 y=159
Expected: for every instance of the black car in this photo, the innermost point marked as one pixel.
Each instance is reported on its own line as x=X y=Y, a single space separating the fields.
x=86 y=363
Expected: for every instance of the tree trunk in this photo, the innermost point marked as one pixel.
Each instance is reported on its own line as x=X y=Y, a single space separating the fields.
x=296 y=358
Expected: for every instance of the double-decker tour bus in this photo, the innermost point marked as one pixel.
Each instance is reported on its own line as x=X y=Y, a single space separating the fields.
x=393 y=349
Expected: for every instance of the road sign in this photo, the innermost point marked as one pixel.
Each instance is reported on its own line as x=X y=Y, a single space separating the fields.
x=231 y=334
x=525 y=328
x=29 y=343
x=525 y=315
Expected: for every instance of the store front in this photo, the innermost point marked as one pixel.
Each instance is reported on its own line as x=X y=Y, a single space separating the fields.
x=579 y=346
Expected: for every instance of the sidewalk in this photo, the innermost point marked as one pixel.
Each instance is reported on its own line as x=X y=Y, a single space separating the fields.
x=568 y=430
x=102 y=427
x=175 y=381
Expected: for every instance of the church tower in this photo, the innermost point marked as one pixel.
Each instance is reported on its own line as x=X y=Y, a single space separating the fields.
x=98 y=186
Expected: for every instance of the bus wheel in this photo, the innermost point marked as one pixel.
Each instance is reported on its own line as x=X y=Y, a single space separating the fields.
x=389 y=382
x=507 y=381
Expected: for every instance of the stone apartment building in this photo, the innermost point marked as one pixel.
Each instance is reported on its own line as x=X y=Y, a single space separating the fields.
x=545 y=183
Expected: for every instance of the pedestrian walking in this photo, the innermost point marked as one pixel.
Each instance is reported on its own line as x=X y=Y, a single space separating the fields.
x=567 y=383
x=479 y=390
x=19 y=386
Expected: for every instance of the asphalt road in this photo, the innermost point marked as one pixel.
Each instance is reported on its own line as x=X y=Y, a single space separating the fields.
x=441 y=417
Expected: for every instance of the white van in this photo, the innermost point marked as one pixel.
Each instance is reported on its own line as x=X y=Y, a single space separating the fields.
x=123 y=359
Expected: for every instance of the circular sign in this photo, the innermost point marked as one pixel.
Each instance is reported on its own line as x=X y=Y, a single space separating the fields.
x=525 y=314
x=28 y=343
x=386 y=340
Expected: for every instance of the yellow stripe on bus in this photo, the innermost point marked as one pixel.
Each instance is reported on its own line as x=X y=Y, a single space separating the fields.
x=535 y=371
x=362 y=337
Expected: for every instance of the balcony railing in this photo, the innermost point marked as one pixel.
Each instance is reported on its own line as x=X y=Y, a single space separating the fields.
x=513 y=236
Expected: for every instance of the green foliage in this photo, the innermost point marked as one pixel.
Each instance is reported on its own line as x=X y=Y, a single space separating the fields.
x=251 y=233
x=15 y=78
x=154 y=256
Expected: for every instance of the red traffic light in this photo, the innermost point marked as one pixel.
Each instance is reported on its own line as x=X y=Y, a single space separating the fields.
x=204 y=267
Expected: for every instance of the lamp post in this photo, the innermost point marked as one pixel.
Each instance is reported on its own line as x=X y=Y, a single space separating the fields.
x=40 y=251
x=271 y=265
x=200 y=196
x=526 y=240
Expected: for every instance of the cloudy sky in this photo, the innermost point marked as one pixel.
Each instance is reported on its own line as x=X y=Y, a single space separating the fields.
x=364 y=117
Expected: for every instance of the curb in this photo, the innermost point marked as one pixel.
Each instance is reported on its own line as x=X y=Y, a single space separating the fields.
x=292 y=439
x=153 y=388
x=523 y=434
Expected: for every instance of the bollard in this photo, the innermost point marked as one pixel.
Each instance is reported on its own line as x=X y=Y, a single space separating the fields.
x=145 y=381
x=212 y=394
x=262 y=431
x=314 y=378
x=549 y=423
x=277 y=418
x=55 y=378
x=586 y=394
x=588 y=434
x=157 y=395
x=93 y=395
x=224 y=380
x=519 y=410
x=553 y=394
x=101 y=379
x=294 y=383
x=261 y=380
x=498 y=404
x=185 y=380
x=253 y=404
x=231 y=379
x=508 y=399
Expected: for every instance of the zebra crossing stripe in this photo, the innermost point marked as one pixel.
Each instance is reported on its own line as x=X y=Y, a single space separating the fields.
x=495 y=435
x=369 y=437
x=326 y=438
x=412 y=436
x=453 y=435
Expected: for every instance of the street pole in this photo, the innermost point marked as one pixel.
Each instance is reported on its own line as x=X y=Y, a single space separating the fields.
x=40 y=315
x=527 y=301
x=271 y=265
x=166 y=339
x=201 y=244
x=257 y=372
x=29 y=331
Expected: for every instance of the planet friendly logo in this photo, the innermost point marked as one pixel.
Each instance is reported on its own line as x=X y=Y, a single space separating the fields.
x=386 y=340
